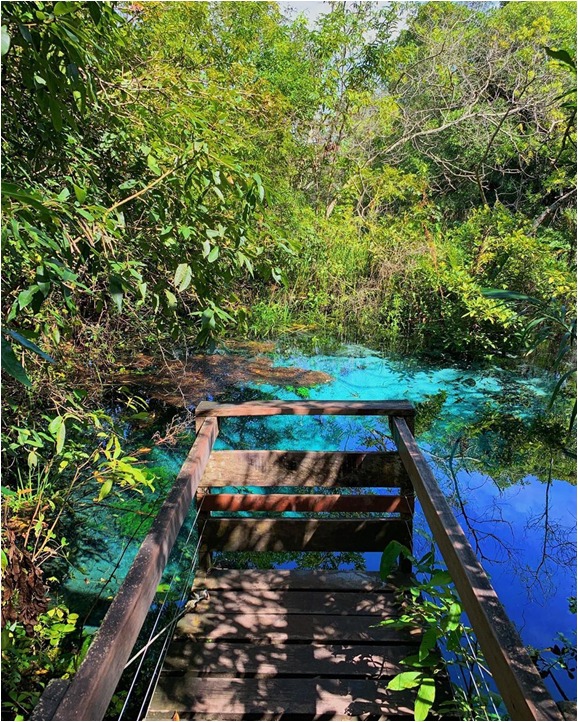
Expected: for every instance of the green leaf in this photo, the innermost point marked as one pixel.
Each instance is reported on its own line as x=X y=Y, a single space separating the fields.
x=217 y=192
x=10 y=190
x=213 y=255
x=153 y=165
x=141 y=416
x=405 y=680
x=4 y=559
x=211 y=233
x=127 y=184
x=208 y=319
x=440 y=579
x=25 y=297
x=11 y=365
x=23 y=341
x=428 y=642
x=561 y=381
x=562 y=55
x=171 y=298
x=206 y=248
x=242 y=260
x=183 y=276
x=454 y=615
x=105 y=489
x=57 y=428
x=64 y=8
x=55 y=113
x=260 y=189
x=425 y=698
x=95 y=12
x=5 y=40
x=85 y=214
x=502 y=295
x=389 y=558
x=80 y=193
x=116 y=291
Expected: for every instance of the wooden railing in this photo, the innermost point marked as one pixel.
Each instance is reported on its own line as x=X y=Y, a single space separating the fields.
x=89 y=693
x=514 y=673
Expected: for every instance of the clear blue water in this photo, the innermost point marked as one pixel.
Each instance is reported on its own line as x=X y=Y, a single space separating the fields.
x=523 y=525
x=531 y=563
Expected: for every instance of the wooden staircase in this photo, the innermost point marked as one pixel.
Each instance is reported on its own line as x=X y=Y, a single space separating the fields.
x=287 y=644
x=279 y=644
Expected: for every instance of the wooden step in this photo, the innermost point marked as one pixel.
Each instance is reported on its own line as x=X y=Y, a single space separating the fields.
x=281 y=628
x=304 y=534
x=305 y=468
x=275 y=601
x=228 y=659
x=295 y=579
x=290 y=644
x=305 y=699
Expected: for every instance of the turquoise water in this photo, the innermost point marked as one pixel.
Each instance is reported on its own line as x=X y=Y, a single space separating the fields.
x=522 y=527
x=519 y=513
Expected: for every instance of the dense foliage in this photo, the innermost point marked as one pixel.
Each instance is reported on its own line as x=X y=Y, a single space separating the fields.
x=176 y=171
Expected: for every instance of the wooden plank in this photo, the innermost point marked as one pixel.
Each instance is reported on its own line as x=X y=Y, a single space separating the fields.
x=50 y=699
x=265 y=579
x=270 y=698
x=304 y=534
x=375 y=503
x=396 y=407
x=282 y=628
x=93 y=685
x=305 y=468
x=275 y=601
x=518 y=681
x=334 y=660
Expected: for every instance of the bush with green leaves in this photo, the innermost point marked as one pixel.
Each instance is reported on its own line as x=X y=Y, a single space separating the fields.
x=430 y=602
x=29 y=661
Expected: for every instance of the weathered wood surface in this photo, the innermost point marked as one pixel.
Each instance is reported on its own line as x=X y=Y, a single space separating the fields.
x=51 y=698
x=305 y=468
x=518 y=681
x=374 y=503
x=304 y=699
x=304 y=534
x=235 y=659
x=292 y=664
x=396 y=407
x=93 y=685
x=282 y=628
x=295 y=579
x=276 y=601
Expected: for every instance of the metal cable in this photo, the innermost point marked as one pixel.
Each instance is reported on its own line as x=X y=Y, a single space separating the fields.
x=142 y=653
x=482 y=675
x=169 y=635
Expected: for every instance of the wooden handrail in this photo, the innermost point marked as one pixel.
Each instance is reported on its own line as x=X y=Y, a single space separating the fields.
x=518 y=680
x=308 y=408
x=92 y=687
